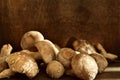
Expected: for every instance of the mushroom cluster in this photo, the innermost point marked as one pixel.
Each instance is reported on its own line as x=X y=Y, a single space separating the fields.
x=83 y=61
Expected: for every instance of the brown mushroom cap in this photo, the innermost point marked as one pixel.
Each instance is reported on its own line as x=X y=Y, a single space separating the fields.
x=56 y=50
x=55 y=69
x=22 y=63
x=101 y=62
x=84 y=66
x=46 y=50
x=65 y=56
x=29 y=38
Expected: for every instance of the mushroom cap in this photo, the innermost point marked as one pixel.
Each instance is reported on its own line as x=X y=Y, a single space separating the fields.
x=55 y=69
x=56 y=50
x=46 y=50
x=83 y=46
x=29 y=38
x=101 y=62
x=65 y=56
x=84 y=66
x=22 y=63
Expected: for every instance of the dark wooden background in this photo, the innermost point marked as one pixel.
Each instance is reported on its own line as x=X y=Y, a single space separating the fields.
x=59 y=20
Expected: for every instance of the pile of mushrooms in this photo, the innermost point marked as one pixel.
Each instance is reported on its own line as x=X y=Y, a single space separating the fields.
x=83 y=61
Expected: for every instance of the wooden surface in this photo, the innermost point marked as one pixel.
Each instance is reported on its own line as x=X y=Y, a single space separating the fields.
x=109 y=74
x=59 y=20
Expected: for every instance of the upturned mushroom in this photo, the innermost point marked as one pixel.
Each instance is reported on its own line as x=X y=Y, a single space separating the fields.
x=21 y=63
x=55 y=69
x=84 y=66
x=29 y=38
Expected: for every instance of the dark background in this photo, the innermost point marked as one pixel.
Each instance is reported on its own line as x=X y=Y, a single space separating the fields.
x=59 y=20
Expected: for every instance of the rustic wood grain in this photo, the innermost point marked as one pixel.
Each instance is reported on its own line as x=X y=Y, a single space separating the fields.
x=59 y=20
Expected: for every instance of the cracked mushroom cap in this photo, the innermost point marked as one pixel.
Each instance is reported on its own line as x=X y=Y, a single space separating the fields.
x=84 y=66
x=29 y=38
x=22 y=63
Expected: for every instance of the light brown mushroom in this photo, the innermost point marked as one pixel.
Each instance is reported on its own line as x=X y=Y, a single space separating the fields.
x=107 y=55
x=46 y=50
x=29 y=38
x=6 y=73
x=5 y=51
x=101 y=62
x=65 y=56
x=84 y=66
x=83 y=46
x=55 y=69
x=22 y=63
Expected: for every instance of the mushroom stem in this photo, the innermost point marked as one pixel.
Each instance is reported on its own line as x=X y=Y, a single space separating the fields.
x=102 y=50
x=3 y=64
x=69 y=72
x=5 y=51
x=6 y=73
x=105 y=54
x=34 y=55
